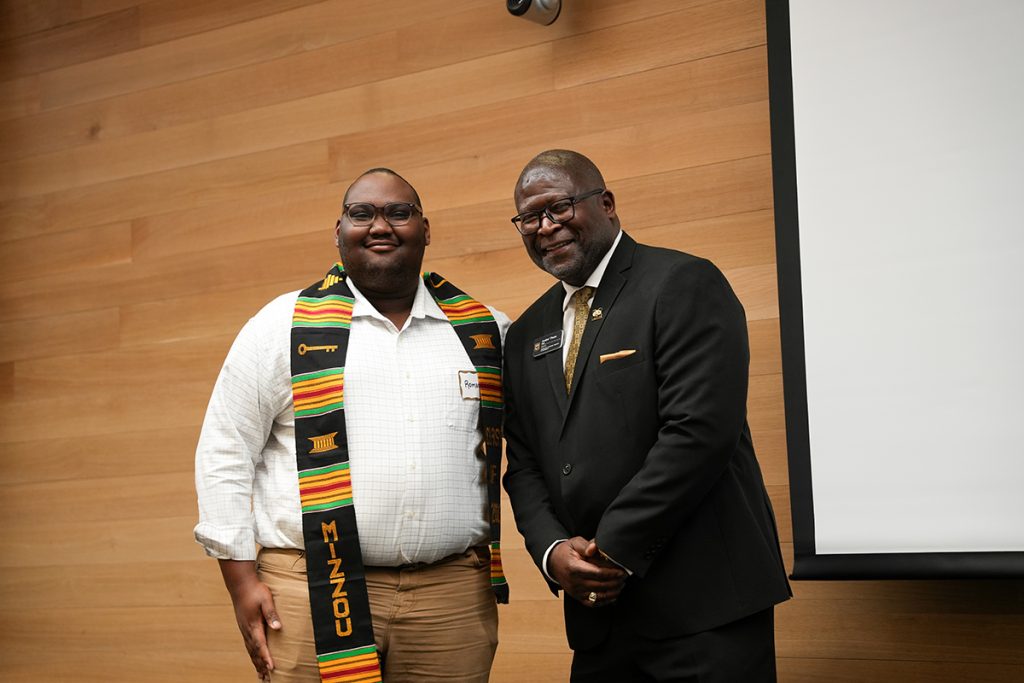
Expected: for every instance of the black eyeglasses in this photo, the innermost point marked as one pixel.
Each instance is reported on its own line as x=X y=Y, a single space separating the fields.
x=395 y=213
x=561 y=211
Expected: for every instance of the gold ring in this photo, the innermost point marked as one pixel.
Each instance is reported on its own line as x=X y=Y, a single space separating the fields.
x=592 y=597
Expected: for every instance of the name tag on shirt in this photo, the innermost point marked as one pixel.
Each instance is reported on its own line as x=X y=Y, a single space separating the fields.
x=469 y=385
x=546 y=344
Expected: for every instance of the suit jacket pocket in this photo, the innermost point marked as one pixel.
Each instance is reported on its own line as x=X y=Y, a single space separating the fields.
x=617 y=365
x=629 y=385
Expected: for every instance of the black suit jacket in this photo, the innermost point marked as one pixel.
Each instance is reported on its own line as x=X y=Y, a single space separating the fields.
x=650 y=453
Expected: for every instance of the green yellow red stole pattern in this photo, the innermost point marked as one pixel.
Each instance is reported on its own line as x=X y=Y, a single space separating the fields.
x=339 y=603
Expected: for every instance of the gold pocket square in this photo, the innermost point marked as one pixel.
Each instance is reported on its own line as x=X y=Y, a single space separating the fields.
x=618 y=354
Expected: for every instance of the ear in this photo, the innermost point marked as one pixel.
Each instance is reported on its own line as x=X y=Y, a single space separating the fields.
x=608 y=203
x=337 y=232
x=426 y=231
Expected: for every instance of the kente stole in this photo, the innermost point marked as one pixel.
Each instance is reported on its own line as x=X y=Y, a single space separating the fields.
x=338 y=599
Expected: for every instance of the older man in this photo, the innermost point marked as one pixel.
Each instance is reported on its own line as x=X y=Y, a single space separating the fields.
x=344 y=438
x=631 y=469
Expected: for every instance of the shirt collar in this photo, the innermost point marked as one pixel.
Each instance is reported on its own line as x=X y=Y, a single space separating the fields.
x=423 y=305
x=595 y=277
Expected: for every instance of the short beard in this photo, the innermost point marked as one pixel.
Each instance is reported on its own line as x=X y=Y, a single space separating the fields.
x=574 y=272
x=381 y=279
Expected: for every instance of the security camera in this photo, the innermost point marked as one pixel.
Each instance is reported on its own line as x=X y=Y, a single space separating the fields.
x=541 y=11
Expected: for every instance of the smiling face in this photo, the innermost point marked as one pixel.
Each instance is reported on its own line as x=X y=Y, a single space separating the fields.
x=570 y=251
x=380 y=257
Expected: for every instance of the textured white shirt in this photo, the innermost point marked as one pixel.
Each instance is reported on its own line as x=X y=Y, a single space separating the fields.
x=417 y=482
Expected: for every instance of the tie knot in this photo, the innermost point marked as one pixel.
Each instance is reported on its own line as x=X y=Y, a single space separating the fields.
x=582 y=296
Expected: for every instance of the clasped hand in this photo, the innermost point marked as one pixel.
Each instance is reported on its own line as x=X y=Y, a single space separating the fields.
x=580 y=569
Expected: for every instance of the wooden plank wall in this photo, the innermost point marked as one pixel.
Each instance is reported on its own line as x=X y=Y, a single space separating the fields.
x=167 y=166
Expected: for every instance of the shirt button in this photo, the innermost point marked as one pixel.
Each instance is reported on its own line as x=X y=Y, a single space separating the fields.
x=566 y=468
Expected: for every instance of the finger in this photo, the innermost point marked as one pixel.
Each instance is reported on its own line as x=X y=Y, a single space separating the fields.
x=269 y=611
x=595 y=555
x=257 y=663
x=600 y=599
x=600 y=588
x=584 y=598
x=596 y=564
x=270 y=614
x=583 y=577
x=586 y=571
x=260 y=653
x=599 y=581
x=254 y=654
x=610 y=594
x=578 y=544
x=602 y=579
x=586 y=587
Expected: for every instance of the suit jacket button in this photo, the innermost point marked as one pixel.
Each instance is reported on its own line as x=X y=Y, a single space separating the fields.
x=566 y=468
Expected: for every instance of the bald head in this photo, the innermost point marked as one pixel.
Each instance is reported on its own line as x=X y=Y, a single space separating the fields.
x=576 y=167
x=570 y=242
x=385 y=171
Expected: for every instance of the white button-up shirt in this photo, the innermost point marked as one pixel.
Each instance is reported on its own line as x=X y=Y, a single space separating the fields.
x=417 y=483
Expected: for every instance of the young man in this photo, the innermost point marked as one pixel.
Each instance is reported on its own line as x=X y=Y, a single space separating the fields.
x=344 y=438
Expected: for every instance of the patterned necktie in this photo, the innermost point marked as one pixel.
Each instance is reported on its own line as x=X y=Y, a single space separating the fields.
x=581 y=311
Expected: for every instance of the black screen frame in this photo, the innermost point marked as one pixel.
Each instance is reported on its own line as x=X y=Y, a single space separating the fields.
x=807 y=563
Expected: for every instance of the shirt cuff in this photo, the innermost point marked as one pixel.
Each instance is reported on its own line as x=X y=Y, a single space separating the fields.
x=226 y=543
x=544 y=560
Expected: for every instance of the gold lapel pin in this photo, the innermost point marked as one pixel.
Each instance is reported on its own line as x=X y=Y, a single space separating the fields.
x=596 y=314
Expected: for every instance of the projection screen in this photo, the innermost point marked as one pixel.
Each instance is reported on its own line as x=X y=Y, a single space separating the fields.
x=898 y=163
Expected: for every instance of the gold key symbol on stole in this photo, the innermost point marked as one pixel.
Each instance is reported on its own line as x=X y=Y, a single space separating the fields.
x=329 y=348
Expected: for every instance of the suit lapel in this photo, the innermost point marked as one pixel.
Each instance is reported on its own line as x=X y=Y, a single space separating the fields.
x=612 y=282
x=553 y=360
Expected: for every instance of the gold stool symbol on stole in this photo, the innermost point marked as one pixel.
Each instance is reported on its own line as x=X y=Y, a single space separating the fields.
x=322 y=444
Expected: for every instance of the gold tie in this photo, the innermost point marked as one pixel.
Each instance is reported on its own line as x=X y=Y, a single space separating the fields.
x=581 y=310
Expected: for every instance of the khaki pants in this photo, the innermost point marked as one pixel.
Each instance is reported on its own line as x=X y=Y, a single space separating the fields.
x=431 y=623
